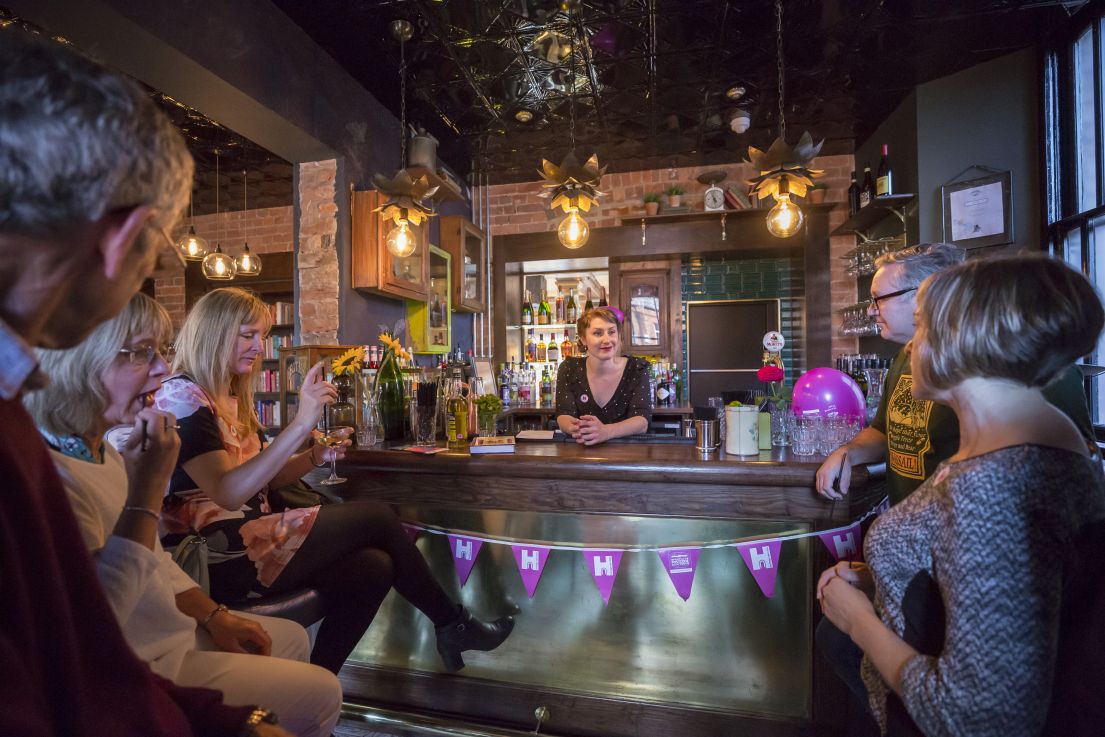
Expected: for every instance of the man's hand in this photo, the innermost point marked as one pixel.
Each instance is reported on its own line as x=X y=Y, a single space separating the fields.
x=835 y=468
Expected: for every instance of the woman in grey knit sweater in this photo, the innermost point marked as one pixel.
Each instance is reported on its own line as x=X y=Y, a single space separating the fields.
x=976 y=610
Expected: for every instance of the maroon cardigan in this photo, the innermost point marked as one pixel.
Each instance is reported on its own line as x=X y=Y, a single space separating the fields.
x=65 y=669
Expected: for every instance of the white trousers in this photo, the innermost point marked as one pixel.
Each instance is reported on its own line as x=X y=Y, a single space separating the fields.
x=305 y=697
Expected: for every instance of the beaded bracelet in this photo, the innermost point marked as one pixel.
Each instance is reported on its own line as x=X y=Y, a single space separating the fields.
x=216 y=610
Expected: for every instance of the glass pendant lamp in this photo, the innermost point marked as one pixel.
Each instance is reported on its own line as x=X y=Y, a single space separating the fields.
x=218 y=266
x=191 y=245
x=247 y=264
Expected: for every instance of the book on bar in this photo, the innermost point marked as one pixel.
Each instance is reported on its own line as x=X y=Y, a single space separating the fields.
x=496 y=444
x=428 y=450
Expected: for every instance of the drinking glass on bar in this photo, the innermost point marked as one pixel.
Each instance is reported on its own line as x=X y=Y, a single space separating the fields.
x=424 y=412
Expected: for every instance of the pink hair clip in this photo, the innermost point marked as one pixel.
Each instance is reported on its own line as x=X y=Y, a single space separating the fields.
x=618 y=314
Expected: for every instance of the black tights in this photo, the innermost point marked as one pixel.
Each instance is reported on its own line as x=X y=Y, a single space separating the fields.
x=354 y=554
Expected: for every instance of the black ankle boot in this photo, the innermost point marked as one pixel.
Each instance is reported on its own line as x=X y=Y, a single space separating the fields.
x=468 y=633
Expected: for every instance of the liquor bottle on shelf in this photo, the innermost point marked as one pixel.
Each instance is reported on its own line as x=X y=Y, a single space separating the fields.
x=552 y=353
x=853 y=196
x=602 y=297
x=571 y=310
x=542 y=350
x=543 y=311
x=504 y=384
x=525 y=386
x=559 y=311
x=456 y=412
x=436 y=310
x=589 y=305
x=514 y=382
x=566 y=348
x=531 y=347
x=527 y=311
x=884 y=179
x=867 y=191
x=546 y=388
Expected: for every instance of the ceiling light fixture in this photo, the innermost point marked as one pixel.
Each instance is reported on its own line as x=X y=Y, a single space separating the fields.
x=523 y=116
x=247 y=263
x=735 y=92
x=404 y=207
x=784 y=170
x=217 y=266
x=191 y=245
x=572 y=187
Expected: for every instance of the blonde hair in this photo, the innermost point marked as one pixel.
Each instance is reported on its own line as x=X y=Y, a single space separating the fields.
x=207 y=344
x=1024 y=318
x=74 y=401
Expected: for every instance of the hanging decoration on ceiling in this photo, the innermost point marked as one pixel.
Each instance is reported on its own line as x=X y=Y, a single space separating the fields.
x=784 y=170
x=405 y=193
x=247 y=263
x=572 y=187
x=218 y=266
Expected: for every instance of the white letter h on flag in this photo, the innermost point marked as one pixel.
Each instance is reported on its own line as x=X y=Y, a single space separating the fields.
x=464 y=549
x=530 y=558
x=604 y=566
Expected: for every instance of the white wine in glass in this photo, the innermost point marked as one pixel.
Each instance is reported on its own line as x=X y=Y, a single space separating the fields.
x=332 y=438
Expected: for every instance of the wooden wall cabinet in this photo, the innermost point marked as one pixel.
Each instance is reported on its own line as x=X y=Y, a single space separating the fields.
x=430 y=322
x=649 y=294
x=467 y=244
x=374 y=269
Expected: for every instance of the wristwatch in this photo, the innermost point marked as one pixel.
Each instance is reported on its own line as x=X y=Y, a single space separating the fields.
x=257 y=716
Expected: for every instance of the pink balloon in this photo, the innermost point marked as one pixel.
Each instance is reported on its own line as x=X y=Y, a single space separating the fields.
x=828 y=393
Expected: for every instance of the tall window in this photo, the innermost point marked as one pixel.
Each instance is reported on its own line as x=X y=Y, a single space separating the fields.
x=1074 y=142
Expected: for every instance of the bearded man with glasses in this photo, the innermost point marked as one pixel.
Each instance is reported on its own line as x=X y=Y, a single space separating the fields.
x=913 y=436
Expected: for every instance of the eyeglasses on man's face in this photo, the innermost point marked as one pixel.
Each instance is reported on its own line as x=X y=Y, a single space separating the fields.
x=144 y=355
x=877 y=298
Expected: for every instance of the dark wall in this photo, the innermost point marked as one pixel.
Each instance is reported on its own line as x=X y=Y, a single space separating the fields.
x=988 y=114
x=899 y=132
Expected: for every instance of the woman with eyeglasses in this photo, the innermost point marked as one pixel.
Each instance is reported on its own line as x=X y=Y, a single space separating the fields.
x=353 y=553
x=987 y=601
x=184 y=635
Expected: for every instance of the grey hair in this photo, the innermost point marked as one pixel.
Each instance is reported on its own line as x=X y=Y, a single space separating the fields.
x=73 y=402
x=78 y=141
x=922 y=261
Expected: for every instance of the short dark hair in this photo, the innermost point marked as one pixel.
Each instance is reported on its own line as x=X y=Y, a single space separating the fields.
x=1023 y=317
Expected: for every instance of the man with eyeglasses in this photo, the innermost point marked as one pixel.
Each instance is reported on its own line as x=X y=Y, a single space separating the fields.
x=913 y=436
x=91 y=176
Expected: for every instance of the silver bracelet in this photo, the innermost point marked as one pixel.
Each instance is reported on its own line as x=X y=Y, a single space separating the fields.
x=143 y=510
x=209 y=617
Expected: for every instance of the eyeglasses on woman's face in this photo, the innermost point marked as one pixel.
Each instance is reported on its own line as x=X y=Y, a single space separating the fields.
x=144 y=355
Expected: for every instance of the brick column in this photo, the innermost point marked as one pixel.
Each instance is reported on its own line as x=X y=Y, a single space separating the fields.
x=317 y=263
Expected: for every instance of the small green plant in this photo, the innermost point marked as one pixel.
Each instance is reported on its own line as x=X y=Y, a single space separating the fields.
x=819 y=185
x=488 y=404
x=675 y=189
x=651 y=197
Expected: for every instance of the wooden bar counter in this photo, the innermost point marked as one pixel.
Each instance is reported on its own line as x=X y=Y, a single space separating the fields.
x=726 y=661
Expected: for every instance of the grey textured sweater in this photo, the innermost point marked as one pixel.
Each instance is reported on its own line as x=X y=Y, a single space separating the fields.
x=979 y=556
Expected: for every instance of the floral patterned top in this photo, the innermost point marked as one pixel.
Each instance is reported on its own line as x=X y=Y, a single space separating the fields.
x=236 y=536
x=632 y=397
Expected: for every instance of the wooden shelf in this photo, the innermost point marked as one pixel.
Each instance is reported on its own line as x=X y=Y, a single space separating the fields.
x=283 y=326
x=446 y=188
x=681 y=217
x=874 y=213
x=266 y=395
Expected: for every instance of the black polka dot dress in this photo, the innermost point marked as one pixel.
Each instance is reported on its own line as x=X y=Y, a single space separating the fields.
x=632 y=397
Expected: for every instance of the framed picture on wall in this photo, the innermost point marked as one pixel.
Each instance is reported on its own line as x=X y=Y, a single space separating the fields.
x=978 y=212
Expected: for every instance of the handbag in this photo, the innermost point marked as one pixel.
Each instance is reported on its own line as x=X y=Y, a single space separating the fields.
x=191 y=555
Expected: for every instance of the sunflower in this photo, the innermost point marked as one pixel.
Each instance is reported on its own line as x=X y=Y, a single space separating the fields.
x=348 y=362
x=393 y=345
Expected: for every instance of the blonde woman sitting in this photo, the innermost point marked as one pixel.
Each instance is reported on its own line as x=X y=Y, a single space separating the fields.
x=182 y=633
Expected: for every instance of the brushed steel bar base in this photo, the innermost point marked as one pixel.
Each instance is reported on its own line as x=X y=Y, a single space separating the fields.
x=394 y=723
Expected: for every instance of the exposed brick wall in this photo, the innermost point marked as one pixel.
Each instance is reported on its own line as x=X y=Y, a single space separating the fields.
x=516 y=208
x=267 y=230
x=318 y=258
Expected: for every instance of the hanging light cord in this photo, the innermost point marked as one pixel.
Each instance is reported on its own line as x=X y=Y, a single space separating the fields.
x=572 y=87
x=779 y=62
x=402 y=104
x=218 y=225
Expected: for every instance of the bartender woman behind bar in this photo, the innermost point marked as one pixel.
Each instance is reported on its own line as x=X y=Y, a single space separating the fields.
x=605 y=394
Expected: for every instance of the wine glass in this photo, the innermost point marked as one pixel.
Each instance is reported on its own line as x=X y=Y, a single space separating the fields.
x=332 y=436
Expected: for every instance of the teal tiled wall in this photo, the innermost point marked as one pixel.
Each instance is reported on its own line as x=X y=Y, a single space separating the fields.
x=733 y=277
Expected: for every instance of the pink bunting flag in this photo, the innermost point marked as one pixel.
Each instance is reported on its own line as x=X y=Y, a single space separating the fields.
x=762 y=559
x=845 y=543
x=464 y=550
x=531 y=563
x=603 y=565
x=680 y=563
x=412 y=531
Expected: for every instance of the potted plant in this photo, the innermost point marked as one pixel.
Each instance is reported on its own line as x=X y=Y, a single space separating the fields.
x=675 y=195
x=817 y=193
x=652 y=203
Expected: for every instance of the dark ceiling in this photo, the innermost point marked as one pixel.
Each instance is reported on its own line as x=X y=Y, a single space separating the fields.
x=651 y=76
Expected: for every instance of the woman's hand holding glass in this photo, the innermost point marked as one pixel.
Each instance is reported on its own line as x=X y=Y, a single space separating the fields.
x=315 y=394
